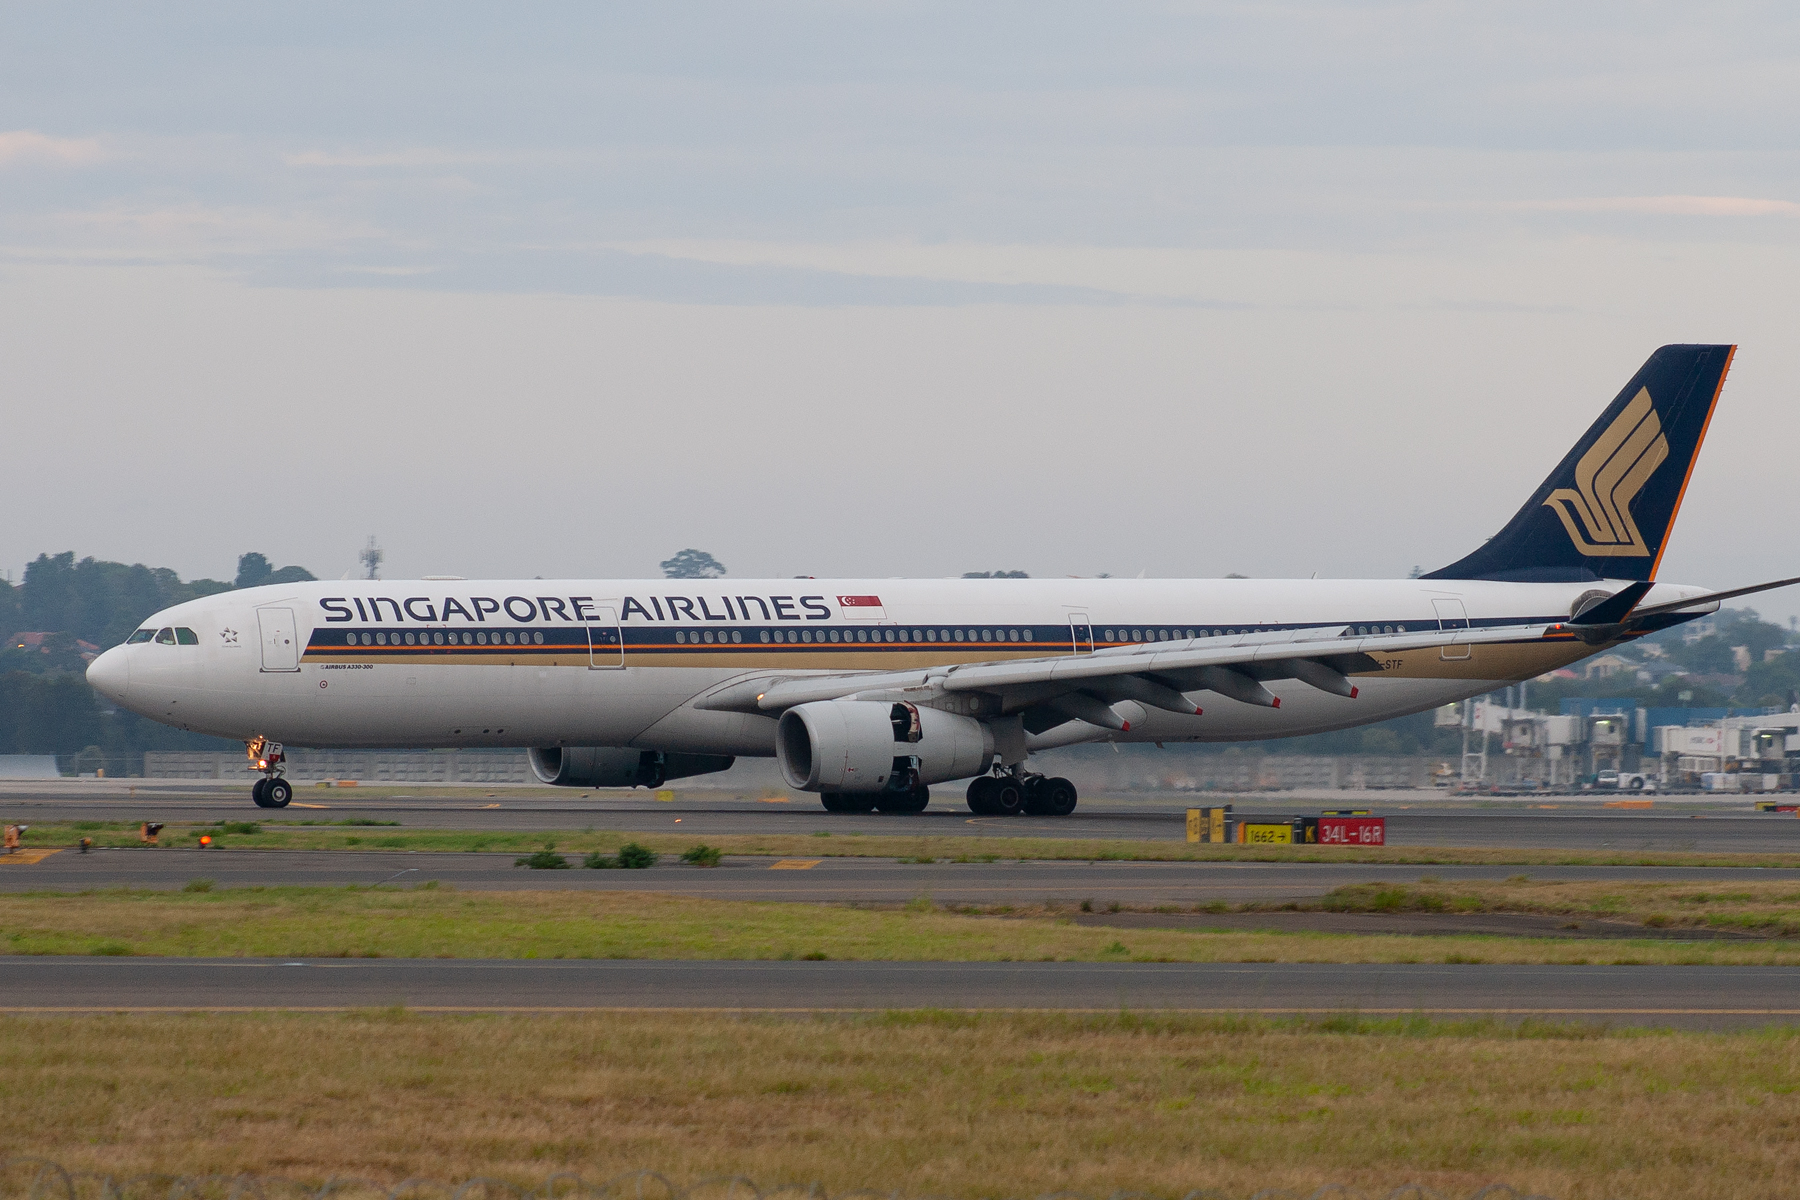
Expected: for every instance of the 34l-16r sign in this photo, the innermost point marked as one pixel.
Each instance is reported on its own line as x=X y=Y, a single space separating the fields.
x=1352 y=831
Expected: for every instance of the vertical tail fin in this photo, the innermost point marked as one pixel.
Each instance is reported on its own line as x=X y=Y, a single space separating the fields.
x=1606 y=511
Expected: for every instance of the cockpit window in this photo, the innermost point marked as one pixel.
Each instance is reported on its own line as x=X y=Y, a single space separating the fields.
x=142 y=635
x=186 y=637
x=165 y=637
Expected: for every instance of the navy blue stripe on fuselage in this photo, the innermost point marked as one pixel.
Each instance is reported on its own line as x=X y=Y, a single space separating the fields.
x=377 y=644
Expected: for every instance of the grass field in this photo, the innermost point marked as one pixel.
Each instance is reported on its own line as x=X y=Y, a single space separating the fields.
x=359 y=834
x=961 y=1106
x=1772 y=909
x=428 y=922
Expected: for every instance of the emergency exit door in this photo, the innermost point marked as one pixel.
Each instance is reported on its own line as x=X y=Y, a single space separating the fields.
x=1452 y=615
x=1081 y=634
x=606 y=643
x=280 y=645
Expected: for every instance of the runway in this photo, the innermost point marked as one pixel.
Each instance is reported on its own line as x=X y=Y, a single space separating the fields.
x=1413 y=818
x=824 y=880
x=1678 y=997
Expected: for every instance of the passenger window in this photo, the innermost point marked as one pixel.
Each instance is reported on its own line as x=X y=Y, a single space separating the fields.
x=165 y=637
x=141 y=636
x=186 y=637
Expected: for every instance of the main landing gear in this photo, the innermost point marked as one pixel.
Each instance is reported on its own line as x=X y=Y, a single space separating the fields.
x=271 y=791
x=1009 y=795
x=912 y=800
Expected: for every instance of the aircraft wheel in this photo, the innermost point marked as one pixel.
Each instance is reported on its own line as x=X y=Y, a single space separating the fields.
x=1057 y=797
x=913 y=800
x=259 y=792
x=278 y=793
x=832 y=802
x=979 y=797
x=856 y=802
x=1007 y=797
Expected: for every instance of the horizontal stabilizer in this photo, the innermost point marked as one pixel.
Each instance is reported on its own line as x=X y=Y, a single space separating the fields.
x=1614 y=608
x=1711 y=597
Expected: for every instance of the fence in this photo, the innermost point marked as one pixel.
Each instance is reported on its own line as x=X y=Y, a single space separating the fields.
x=397 y=766
x=41 y=1179
x=1177 y=771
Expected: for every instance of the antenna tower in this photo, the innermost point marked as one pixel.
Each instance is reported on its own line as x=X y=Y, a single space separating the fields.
x=371 y=557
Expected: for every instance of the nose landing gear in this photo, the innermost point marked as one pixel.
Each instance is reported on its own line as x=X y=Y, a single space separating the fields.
x=271 y=791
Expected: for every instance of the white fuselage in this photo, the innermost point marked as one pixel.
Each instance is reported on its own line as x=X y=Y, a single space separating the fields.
x=618 y=662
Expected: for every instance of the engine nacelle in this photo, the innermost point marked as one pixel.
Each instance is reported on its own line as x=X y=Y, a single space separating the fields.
x=611 y=767
x=875 y=746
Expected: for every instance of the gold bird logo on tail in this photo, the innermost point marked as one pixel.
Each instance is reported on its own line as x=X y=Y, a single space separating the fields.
x=1609 y=477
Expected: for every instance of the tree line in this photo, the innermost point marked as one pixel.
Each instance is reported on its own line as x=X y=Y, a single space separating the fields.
x=46 y=706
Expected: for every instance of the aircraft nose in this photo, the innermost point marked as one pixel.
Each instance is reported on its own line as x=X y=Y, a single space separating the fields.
x=110 y=674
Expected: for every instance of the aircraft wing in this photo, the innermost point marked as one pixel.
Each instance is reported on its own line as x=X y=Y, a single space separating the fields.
x=1084 y=687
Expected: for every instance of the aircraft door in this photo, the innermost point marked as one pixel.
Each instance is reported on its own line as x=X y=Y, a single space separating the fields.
x=1452 y=615
x=1081 y=634
x=280 y=642
x=606 y=643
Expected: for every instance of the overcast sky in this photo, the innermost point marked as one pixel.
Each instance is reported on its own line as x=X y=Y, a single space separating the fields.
x=880 y=289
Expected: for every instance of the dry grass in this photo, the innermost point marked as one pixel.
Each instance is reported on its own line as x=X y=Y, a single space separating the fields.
x=297 y=834
x=429 y=922
x=1768 y=908
x=962 y=1106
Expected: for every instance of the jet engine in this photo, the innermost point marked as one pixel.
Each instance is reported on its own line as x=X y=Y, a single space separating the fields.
x=874 y=746
x=611 y=767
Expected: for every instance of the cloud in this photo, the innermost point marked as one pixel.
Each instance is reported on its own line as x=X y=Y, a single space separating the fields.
x=1674 y=206
x=21 y=145
x=428 y=157
x=199 y=231
x=667 y=279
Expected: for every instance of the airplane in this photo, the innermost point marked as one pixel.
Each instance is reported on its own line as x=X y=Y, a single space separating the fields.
x=870 y=691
